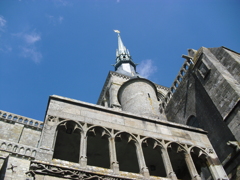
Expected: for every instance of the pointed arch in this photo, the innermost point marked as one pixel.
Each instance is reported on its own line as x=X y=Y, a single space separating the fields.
x=152 y=150
x=193 y=121
x=176 y=153
x=22 y=151
x=9 y=147
x=15 y=149
x=28 y=152
x=133 y=138
x=126 y=148
x=199 y=157
x=98 y=153
x=76 y=122
x=67 y=144
x=3 y=145
x=104 y=131
x=33 y=153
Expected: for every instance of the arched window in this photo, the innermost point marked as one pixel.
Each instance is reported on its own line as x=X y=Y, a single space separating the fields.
x=98 y=147
x=152 y=154
x=193 y=121
x=177 y=157
x=200 y=162
x=67 y=145
x=126 y=153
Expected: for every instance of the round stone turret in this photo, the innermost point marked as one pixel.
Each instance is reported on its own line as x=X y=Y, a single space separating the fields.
x=139 y=96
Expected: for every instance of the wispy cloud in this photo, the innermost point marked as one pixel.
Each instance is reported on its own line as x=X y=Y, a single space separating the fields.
x=32 y=53
x=2 y=23
x=32 y=38
x=5 y=48
x=61 y=2
x=60 y=19
x=55 y=20
x=4 y=43
x=28 y=46
x=146 y=68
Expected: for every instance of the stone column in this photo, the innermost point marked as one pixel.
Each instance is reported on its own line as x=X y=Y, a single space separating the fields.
x=113 y=155
x=191 y=167
x=141 y=162
x=83 y=150
x=216 y=168
x=47 y=142
x=105 y=102
x=167 y=164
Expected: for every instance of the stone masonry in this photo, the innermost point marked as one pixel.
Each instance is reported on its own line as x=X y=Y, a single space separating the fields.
x=137 y=130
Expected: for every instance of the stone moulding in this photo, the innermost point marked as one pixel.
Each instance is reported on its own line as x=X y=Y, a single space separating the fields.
x=68 y=173
x=14 y=118
x=16 y=149
x=123 y=113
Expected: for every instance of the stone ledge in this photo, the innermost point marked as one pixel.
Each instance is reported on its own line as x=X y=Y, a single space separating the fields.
x=14 y=118
x=17 y=149
x=123 y=113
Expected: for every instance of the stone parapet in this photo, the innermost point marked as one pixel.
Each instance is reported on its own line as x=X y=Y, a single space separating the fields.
x=14 y=118
x=17 y=149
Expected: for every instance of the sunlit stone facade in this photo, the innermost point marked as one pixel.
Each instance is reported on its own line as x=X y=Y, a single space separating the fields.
x=137 y=130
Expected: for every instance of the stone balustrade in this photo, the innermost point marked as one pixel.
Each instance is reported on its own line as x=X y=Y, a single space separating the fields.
x=18 y=149
x=188 y=152
x=7 y=116
x=184 y=69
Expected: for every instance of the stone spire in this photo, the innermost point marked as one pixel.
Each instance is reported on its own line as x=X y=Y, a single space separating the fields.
x=124 y=63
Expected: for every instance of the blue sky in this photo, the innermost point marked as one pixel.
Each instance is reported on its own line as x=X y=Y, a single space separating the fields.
x=66 y=47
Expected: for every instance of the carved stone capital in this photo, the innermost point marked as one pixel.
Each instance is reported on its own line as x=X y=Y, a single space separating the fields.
x=145 y=172
x=115 y=167
x=83 y=162
x=172 y=175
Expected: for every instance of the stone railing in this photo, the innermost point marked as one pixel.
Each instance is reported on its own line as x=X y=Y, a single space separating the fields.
x=10 y=117
x=18 y=149
x=184 y=69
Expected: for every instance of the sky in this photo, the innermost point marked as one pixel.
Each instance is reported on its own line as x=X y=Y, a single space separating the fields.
x=67 y=47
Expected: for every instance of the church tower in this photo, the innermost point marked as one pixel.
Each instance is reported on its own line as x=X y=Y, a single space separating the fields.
x=126 y=90
x=124 y=137
x=124 y=63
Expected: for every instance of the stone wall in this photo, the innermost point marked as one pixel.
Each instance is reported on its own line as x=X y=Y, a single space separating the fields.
x=208 y=98
x=19 y=140
x=88 y=120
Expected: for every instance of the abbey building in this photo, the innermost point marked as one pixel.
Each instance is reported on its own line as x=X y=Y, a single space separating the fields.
x=137 y=129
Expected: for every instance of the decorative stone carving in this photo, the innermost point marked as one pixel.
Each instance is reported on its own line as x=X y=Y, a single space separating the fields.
x=46 y=169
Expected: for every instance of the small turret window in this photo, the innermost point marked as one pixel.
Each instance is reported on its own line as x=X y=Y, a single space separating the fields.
x=203 y=69
x=149 y=95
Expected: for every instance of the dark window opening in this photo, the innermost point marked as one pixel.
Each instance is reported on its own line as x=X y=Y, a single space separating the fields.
x=177 y=159
x=98 y=148
x=200 y=163
x=203 y=70
x=193 y=121
x=126 y=153
x=149 y=95
x=153 y=158
x=67 y=146
x=69 y=131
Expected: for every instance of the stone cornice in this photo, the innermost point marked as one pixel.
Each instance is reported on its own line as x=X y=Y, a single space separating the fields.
x=123 y=113
x=27 y=122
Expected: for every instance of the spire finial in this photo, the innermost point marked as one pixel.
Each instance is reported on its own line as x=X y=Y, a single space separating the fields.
x=124 y=61
x=117 y=31
x=121 y=48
